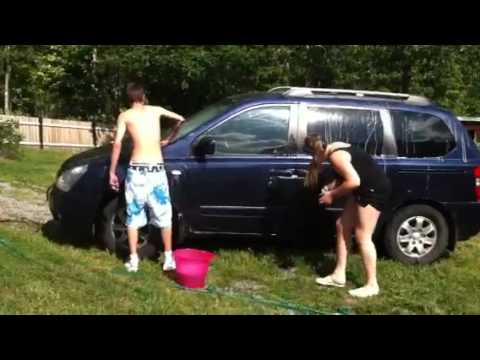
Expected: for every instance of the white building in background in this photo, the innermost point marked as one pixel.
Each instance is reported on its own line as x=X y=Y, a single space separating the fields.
x=472 y=124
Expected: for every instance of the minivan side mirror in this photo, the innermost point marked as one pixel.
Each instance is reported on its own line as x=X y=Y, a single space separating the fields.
x=206 y=146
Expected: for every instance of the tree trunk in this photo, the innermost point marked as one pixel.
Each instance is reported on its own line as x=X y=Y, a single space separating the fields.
x=93 y=109
x=406 y=68
x=8 y=70
x=406 y=78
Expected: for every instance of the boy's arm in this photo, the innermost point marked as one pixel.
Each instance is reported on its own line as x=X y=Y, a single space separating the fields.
x=171 y=136
x=180 y=119
x=164 y=112
x=173 y=133
x=173 y=115
x=117 y=148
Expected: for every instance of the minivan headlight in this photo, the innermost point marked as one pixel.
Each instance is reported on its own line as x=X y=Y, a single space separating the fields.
x=69 y=178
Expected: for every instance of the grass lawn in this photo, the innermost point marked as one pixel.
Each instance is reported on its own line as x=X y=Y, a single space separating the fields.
x=40 y=276
x=43 y=277
x=36 y=168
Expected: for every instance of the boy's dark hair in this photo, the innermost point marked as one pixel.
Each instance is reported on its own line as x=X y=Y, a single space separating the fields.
x=135 y=92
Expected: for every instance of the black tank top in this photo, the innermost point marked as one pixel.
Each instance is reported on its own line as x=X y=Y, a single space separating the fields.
x=371 y=175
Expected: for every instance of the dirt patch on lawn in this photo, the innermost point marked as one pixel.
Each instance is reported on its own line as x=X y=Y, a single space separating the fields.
x=20 y=204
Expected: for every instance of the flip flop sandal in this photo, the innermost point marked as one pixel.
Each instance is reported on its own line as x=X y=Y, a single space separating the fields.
x=364 y=293
x=330 y=282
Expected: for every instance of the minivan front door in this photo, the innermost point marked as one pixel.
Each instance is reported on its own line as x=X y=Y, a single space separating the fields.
x=228 y=191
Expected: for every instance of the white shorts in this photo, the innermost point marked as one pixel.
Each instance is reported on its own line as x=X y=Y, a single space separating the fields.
x=147 y=187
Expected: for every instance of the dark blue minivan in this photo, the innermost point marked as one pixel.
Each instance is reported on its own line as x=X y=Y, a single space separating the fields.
x=237 y=168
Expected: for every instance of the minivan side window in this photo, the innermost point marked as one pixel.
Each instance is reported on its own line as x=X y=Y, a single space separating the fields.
x=358 y=127
x=257 y=131
x=420 y=135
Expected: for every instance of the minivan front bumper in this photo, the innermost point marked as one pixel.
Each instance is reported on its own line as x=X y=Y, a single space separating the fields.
x=73 y=213
x=52 y=203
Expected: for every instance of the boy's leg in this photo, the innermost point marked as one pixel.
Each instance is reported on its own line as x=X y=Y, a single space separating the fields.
x=167 y=239
x=169 y=263
x=133 y=261
x=133 y=240
x=161 y=216
x=136 y=216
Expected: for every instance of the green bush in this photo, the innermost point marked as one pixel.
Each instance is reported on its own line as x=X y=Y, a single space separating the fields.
x=9 y=140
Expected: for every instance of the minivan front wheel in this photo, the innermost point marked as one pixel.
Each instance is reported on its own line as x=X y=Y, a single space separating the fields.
x=417 y=234
x=111 y=231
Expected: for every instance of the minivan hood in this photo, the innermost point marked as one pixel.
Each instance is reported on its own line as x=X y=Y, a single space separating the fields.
x=102 y=155
x=93 y=155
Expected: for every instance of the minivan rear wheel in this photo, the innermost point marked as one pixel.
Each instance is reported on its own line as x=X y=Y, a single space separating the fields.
x=417 y=234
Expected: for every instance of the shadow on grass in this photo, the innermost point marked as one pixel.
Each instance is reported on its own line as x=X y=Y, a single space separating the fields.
x=313 y=253
x=317 y=250
x=54 y=232
x=313 y=247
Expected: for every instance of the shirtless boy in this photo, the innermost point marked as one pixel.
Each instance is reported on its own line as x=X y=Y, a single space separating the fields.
x=146 y=183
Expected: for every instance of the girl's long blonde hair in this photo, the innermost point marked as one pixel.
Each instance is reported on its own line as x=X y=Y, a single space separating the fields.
x=316 y=145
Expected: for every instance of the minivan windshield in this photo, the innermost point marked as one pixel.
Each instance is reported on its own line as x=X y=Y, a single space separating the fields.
x=202 y=117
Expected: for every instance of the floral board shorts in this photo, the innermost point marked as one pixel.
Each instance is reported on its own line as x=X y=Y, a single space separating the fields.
x=146 y=188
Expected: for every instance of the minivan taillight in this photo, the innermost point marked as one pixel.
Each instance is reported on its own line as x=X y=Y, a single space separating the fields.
x=477 y=182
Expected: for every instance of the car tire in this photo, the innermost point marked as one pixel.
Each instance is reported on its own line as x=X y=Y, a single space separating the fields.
x=111 y=232
x=417 y=234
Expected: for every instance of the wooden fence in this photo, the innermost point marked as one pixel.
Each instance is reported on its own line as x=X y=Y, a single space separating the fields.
x=49 y=133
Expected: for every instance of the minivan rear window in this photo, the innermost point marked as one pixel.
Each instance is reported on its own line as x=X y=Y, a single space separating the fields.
x=420 y=135
x=358 y=127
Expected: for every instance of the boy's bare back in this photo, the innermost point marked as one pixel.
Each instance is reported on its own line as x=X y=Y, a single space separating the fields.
x=143 y=125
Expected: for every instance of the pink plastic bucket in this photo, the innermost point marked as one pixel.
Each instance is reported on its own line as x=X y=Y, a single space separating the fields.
x=192 y=267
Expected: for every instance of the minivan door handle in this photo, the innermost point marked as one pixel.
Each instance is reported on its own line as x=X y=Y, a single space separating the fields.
x=284 y=173
x=176 y=176
x=288 y=173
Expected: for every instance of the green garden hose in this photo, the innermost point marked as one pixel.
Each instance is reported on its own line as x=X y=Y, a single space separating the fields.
x=284 y=304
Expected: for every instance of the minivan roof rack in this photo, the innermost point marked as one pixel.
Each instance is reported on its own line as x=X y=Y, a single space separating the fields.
x=306 y=91
x=469 y=118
